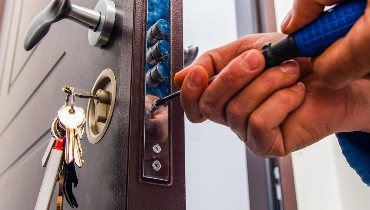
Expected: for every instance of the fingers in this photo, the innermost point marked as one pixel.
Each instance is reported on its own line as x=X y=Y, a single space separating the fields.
x=304 y=12
x=233 y=78
x=217 y=59
x=191 y=90
x=264 y=134
x=251 y=97
x=347 y=59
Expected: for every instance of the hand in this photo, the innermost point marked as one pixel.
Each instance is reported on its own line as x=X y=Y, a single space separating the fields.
x=344 y=61
x=156 y=127
x=274 y=112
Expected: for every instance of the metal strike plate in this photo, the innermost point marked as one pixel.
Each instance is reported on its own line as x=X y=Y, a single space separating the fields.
x=156 y=152
x=100 y=111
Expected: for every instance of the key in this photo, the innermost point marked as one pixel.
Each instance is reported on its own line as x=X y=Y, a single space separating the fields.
x=78 y=148
x=74 y=130
x=71 y=118
x=56 y=131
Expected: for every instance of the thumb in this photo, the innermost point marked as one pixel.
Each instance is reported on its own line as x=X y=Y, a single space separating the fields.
x=304 y=12
x=347 y=59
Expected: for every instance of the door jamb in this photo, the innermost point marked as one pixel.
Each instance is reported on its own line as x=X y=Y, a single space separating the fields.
x=2 y=5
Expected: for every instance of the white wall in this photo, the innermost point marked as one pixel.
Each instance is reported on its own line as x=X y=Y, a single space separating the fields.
x=216 y=176
x=325 y=181
x=323 y=178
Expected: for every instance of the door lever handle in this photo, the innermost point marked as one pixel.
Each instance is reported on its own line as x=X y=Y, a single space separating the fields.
x=100 y=21
x=190 y=54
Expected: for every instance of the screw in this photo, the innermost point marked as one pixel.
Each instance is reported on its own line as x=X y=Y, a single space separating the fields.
x=156 y=165
x=156 y=148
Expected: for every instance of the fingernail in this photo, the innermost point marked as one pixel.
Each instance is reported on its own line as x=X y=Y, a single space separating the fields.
x=176 y=81
x=290 y=67
x=252 y=60
x=299 y=87
x=286 y=20
x=196 y=77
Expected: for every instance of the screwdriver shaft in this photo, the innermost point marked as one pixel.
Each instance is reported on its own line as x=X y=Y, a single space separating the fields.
x=162 y=101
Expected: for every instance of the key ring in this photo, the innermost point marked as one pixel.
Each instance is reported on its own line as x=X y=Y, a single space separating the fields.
x=72 y=110
x=67 y=99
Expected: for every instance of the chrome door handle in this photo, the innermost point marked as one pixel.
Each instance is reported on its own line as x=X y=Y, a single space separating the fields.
x=100 y=21
x=190 y=54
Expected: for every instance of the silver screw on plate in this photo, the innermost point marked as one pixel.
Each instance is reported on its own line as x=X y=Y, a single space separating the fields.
x=156 y=165
x=156 y=148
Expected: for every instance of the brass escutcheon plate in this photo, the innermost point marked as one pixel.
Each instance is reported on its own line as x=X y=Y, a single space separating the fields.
x=95 y=130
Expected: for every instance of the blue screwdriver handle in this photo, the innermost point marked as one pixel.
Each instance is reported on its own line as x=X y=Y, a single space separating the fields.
x=317 y=36
x=332 y=25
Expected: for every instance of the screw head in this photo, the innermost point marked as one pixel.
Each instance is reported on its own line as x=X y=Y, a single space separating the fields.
x=156 y=165
x=157 y=148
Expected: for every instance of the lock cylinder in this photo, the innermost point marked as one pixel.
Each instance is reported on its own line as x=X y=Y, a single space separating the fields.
x=158 y=31
x=157 y=74
x=158 y=52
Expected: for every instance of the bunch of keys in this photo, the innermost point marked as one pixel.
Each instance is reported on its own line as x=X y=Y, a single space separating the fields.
x=63 y=152
x=72 y=120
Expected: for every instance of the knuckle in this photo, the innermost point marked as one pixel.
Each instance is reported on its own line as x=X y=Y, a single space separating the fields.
x=237 y=114
x=194 y=118
x=232 y=78
x=208 y=107
x=269 y=80
x=283 y=98
x=257 y=123
x=191 y=118
x=241 y=135
x=213 y=111
x=257 y=141
x=266 y=151
x=233 y=112
x=275 y=152
x=213 y=55
x=260 y=150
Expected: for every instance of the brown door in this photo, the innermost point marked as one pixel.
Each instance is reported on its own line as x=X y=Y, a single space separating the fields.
x=31 y=94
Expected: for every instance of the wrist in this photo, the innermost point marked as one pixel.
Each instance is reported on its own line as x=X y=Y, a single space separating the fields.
x=358 y=103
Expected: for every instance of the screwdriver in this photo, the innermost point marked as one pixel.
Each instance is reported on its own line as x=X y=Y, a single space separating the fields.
x=310 y=41
x=162 y=101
